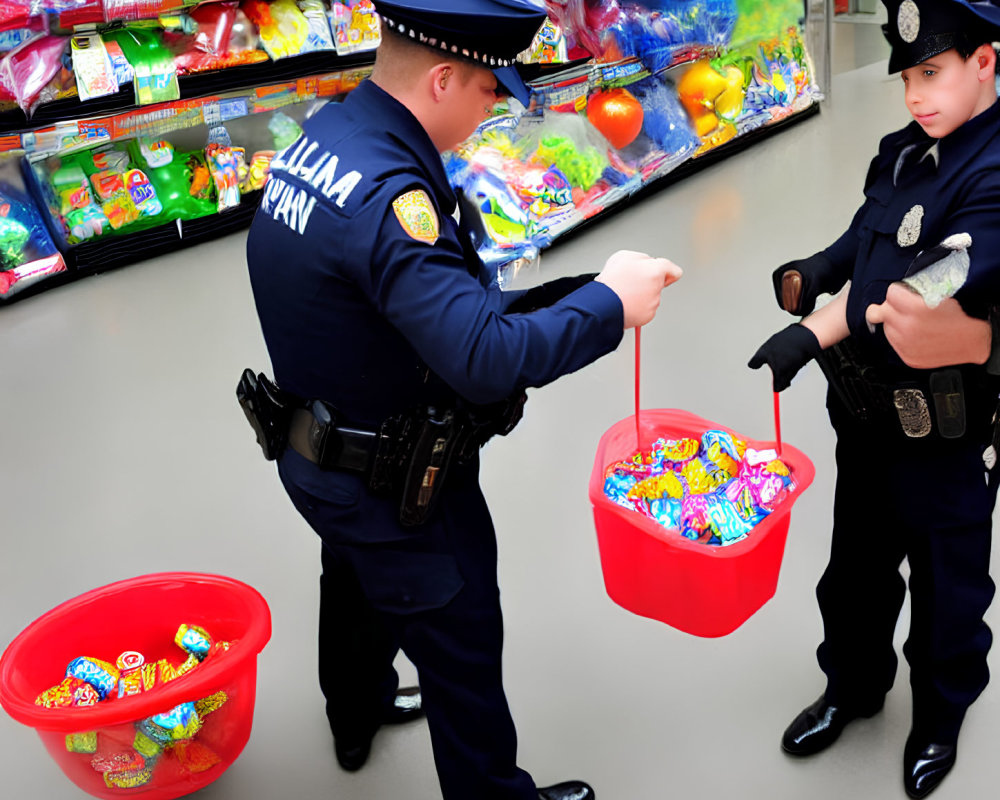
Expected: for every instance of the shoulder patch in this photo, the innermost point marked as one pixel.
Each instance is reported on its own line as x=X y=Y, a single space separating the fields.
x=416 y=214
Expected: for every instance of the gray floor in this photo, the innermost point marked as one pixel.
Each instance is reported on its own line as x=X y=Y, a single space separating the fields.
x=124 y=453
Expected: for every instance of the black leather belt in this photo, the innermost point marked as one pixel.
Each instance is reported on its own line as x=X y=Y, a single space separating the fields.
x=352 y=449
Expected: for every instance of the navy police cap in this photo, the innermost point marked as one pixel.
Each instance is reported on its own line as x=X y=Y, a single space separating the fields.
x=920 y=29
x=488 y=32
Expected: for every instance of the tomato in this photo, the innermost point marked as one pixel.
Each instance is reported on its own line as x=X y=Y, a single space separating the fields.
x=616 y=114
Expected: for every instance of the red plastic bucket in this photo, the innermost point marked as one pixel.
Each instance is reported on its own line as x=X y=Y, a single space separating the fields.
x=656 y=572
x=142 y=614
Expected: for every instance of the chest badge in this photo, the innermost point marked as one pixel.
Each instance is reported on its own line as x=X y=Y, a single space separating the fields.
x=909 y=228
x=417 y=216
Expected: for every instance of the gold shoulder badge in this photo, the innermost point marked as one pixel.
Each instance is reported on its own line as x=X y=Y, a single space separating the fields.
x=417 y=216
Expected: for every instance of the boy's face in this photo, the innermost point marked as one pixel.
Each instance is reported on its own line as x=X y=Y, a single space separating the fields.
x=944 y=92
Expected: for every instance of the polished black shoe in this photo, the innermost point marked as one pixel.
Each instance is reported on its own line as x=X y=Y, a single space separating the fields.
x=352 y=755
x=567 y=790
x=925 y=765
x=818 y=726
x=407 y=706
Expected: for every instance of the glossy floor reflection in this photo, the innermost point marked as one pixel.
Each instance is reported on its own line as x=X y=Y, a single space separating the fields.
x=124 y=452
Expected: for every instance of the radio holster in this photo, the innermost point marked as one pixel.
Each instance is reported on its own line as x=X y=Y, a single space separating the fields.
x=267 y=410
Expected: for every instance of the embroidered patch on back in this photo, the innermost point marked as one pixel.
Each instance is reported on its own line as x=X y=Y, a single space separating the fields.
x=417 y=216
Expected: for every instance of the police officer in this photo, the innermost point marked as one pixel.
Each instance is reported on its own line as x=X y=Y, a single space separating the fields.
x=913 y=444
x=372 y=300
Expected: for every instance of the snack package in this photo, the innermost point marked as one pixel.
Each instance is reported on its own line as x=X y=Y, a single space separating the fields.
x=27 y=253
x=283 y=28
x=27 y=70
x=95 y=76
x=355 y=25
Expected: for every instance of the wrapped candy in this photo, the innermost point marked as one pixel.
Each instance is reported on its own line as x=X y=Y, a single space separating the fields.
x=193 y=640
x=99 y=674
x=713 y=490
x=82 y=742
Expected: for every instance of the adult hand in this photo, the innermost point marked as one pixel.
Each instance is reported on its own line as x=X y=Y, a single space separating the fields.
x=787 y=352
x=638 y=279
x=927 y=338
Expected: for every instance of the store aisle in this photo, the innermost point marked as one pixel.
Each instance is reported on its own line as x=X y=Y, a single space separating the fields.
x=124 y=452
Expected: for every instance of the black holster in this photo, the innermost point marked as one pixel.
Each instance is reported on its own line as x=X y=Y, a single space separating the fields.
x=268 y=410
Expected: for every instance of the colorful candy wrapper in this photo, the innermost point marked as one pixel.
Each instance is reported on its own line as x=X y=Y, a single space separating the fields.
x=82 y=742
x=87 y=222
x=99 y=674
x=213 y=702
x=114 y=762
x=141 y=192
x=107 y=183
x=195 y=757
x=181 y=722
x=128 y=779
x=120 y=211
x=713 y=491
x=194 y=640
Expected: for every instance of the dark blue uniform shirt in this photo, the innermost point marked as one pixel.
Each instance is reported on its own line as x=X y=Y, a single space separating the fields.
x=358 y=312
x=946 y=186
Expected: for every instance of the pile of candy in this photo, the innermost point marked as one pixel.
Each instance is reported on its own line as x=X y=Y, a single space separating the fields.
x=713 y=491
x=89 y=681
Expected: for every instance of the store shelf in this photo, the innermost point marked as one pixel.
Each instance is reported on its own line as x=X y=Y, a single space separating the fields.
x=192 y=86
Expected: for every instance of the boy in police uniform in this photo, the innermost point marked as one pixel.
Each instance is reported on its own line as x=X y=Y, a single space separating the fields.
x=916 y=475
x=372 y=299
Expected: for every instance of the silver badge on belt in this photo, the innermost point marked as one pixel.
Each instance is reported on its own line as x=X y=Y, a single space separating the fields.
x=913 y=411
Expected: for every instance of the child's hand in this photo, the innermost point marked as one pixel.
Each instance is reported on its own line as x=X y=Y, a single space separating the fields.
x=786 y=353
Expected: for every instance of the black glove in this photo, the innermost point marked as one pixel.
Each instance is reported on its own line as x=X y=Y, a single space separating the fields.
x=786 y=353
x=816 y=276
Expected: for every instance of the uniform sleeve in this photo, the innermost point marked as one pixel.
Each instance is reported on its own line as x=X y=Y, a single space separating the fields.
x=843 y=252
x=978 y=217
x=457 y=326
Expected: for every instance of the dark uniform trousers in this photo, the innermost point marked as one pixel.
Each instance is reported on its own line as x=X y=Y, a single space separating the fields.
x=434 y=595
x=929 y=501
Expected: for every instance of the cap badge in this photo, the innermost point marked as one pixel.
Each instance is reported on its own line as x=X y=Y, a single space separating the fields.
x=909 y=228
x=908 y=21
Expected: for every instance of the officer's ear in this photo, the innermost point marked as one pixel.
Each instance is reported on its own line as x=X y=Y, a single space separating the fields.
x=441 y=75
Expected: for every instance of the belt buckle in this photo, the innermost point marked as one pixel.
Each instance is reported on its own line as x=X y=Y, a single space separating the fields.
x=913 y=411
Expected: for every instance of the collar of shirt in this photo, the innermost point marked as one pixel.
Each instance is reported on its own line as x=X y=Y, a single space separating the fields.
x=372 y=102
x=949 y=154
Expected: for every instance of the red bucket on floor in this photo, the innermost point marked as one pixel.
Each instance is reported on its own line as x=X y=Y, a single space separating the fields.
x=655 y=572
x=143 y=614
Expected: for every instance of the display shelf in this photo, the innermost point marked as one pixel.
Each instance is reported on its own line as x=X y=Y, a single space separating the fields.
x=192 y=86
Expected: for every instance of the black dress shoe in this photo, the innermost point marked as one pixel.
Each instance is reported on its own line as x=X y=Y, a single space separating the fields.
x=407 y=706
x=567 y=790
x=352 y=755
x=819 y=725
x=925 y=765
